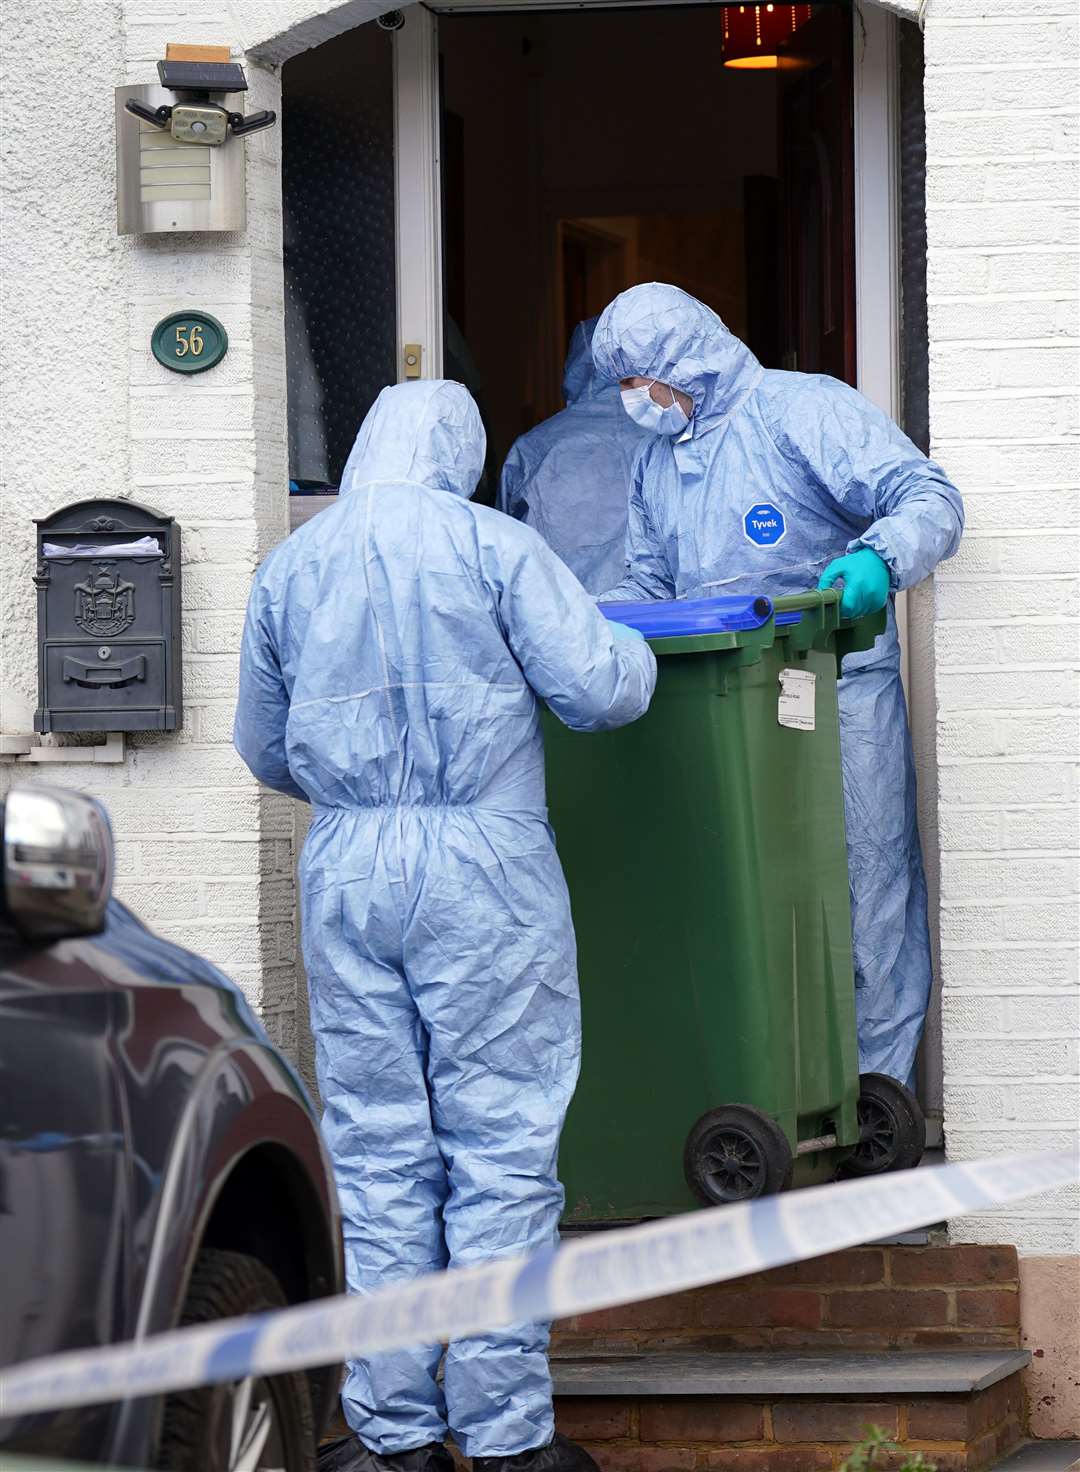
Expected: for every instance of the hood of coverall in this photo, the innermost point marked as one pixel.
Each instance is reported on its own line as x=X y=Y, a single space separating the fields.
x=657 y=331
x=428 y=432
x=580 y=378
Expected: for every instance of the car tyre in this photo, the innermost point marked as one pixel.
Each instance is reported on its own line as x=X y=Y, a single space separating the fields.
x=238 y=1426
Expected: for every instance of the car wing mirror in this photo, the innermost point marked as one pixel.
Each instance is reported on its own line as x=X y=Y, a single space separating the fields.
x=57 y=863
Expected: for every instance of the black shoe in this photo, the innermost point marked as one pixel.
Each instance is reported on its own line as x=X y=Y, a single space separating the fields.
x=349 y=1454
x=560 y=1455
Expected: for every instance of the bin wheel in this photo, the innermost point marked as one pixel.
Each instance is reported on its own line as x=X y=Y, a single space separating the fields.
x=892 y=1128
x=736 y=1153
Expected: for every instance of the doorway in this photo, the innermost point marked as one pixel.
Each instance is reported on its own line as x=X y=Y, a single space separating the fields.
x=460 y=191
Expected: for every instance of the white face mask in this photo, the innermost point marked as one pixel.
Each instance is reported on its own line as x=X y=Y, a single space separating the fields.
x=644 y=410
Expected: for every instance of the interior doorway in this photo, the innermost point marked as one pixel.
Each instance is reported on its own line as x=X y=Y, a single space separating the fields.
x=575 y=173
x=461 y=191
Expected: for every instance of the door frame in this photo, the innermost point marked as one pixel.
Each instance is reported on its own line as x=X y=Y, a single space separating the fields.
x=877 y=230
x=418 y=193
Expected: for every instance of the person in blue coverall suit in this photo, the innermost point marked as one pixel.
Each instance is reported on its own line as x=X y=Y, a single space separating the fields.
x=759 y=481
x=395 y=654
x=570 y=476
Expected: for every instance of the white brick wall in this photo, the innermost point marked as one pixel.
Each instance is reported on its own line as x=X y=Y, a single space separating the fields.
x=1002 y=150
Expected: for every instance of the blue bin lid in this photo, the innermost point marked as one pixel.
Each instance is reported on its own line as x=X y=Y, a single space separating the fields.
x=676 y=619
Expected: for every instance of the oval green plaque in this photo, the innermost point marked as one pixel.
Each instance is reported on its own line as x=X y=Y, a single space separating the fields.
x=189 y=342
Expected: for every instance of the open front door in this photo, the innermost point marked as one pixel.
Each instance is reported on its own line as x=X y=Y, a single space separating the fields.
x=360 y=197
x=817 y=196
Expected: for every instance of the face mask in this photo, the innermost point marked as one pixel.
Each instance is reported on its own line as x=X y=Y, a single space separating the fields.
x=644 y=410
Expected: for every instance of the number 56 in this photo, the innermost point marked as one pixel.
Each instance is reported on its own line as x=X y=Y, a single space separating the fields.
x=189 y=340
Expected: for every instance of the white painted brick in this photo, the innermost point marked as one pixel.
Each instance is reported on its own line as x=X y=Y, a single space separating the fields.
x=991 y=690
x=986 y=183
x=1019 y=511
x=211 y=677
x=1003 y=417
x=966 y=1014
x=967 y=735
x=965 y=644
x=974 y=924
x=1009 y=966
x=1040 y=922
x=1024 y=471
x=222 y=943
x=961 y=830
x=235 y=370
x=1040 y=644
x=158 y=900
x=1023 y=41
x=981 y=1143
x=986 y=10
x=232 y=542
x=155 y=415
x=1012 y=1058
x=957 y=273
x=1045 y=828
x=1041 y=271
x=1034 y=1234
x=957 y=366
x=1040 y=735
x=1013 y=879
x=193 y=503
x=1013 y=598
x=1045 y=1103
x=1028 y=1017
x=1001 y=224
x=996 y=319
x=215 y=722
x=219 y=633
x=974 y=1104
x=1040 y=556
x=975 y=557
x=138 y=813
x=213 y=588
x=176 y=856
x=999 y=130
x=1017 y=783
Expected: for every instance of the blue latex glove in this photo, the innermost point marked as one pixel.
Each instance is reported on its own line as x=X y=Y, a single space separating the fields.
x=865 y=578
x=624 y=631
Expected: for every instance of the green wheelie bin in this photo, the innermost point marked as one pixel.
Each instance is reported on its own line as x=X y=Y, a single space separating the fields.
x=705 y=855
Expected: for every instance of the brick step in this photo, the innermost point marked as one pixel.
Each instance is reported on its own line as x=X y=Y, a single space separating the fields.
x=789 y=1411
x=806 y=1372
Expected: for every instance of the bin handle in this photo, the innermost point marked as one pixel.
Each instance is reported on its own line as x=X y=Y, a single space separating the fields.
x=812 y=598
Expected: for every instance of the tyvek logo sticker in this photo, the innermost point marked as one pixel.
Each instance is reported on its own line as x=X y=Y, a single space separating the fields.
x=764 y=524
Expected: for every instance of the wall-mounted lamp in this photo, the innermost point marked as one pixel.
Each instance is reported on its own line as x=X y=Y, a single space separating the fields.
x=178 y=167
x=752 y=34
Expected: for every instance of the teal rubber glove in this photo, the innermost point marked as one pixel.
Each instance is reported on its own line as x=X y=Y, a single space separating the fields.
x=624 y=631
x=865 y=578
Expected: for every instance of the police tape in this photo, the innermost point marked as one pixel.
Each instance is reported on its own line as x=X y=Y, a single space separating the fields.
x=597 y=1270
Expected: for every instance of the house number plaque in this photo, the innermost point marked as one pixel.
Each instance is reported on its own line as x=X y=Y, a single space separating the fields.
x=189 y=342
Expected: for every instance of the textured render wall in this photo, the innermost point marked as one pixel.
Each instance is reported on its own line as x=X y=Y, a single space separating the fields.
x=204 y=856
x=1001 y=101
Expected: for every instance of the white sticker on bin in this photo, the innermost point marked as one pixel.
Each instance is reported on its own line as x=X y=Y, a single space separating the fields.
x=597 y=1270
x=796 y=705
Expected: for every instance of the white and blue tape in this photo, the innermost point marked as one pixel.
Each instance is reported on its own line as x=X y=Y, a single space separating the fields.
x=596 y=1271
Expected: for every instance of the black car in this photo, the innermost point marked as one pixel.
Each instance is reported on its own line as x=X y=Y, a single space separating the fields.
x=159 y=1161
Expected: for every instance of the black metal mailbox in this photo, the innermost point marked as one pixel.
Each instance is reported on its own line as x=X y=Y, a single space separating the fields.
x=108 y=588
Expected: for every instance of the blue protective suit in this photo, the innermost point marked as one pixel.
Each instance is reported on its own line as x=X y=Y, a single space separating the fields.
x=778 y=474
x=570 y=476
x=394 y=652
